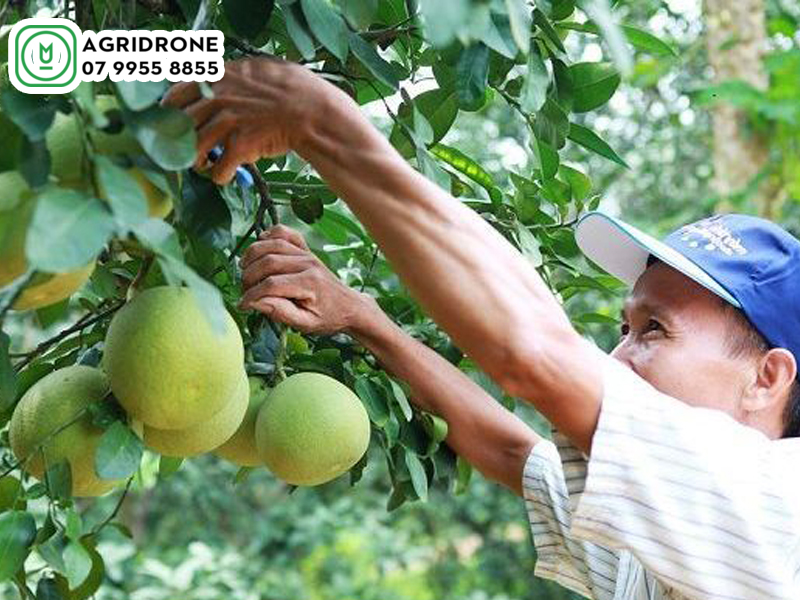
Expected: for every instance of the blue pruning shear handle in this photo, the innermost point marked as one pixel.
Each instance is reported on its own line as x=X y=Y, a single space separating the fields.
x=243 y=177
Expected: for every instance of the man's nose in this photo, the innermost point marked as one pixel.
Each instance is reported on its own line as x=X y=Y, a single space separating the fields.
x=623 y=353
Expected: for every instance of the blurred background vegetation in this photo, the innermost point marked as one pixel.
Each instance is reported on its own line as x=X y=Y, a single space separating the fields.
x=699 y=136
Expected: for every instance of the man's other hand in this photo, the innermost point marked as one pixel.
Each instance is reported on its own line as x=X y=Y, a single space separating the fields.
x=284 y=280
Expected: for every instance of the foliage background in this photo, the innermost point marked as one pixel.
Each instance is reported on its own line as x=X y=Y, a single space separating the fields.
x=204 y=533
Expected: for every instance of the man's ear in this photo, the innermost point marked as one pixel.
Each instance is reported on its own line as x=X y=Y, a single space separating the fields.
x=776 y=374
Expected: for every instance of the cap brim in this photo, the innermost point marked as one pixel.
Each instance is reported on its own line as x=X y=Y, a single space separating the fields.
x=622 y=250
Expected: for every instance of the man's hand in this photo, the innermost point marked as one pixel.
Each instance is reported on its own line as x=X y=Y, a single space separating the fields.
x=284 y=280
x=261 y=107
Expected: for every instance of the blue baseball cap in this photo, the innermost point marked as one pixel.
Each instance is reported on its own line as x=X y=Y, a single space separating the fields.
x=750 y=262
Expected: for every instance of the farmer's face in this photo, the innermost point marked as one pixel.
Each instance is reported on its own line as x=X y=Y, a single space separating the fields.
x=674 y=333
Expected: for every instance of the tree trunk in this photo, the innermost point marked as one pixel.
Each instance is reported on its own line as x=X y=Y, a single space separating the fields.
x=736 y=38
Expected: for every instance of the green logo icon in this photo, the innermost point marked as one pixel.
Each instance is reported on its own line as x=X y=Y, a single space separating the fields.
x=45 y=56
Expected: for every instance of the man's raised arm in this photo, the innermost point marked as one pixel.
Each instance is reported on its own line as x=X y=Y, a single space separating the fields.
x=471 y=281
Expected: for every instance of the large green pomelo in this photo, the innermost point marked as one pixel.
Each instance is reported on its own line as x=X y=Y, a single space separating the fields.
x=168 y=367
x=241 y=448
x=52 y=403
x=311 y=429
x=17 y=203
x=205 y=436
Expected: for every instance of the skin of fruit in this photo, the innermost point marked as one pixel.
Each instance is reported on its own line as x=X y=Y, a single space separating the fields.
x=167 y=366
x=311 y=429
x=52 y=403
x=241 y=448
x=45 y=288
x=205 y=436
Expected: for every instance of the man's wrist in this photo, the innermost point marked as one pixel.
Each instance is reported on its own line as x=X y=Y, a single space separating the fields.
x=367 y=320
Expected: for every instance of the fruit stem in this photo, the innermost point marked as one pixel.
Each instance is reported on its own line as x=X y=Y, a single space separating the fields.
x=281 y=357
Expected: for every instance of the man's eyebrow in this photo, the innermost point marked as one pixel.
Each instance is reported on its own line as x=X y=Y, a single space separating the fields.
x=655 y=309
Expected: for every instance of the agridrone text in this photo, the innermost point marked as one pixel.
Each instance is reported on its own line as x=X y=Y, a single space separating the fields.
x=53 y=56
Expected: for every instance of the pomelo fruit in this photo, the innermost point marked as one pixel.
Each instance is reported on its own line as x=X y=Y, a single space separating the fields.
x=241 y=449
x=65 y=143
x=311 y=429
x=167 y=366
x=206 y=435
x=17 y=203
x=52 y=403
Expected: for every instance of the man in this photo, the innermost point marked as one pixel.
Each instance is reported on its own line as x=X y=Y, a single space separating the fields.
x=671 y=472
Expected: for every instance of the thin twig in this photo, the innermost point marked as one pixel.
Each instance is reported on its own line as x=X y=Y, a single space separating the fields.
x=140 y=275
x=266 y=203
x=116 y=510
x=79 y=326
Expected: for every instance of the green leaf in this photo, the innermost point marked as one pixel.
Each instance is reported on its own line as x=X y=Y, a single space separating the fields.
x=34 y=162
x=67 y=231
x=472 y=75
x=74 y=528
x=248 y=17
x=92 y=581
x=139 y=95
x=58 y=480
x=498 y=35
x=47 y=589
x=534 y=90
x=440 y=108
x=580 y=185
x=12 y=136
x=593 y=84
x=464 y=470
x=468 y=167
x=374 y=62
x=32 y=113
x=373 y=400
x=123 y=192
x=639 y=39
x=167 y=135
x=168 y=466
x=529 y=245
x=545 y=26
x=177 y=272
x=596 y=318
x=118 y=453
x=242 y=474
x=587 y=138
x=160 y=237
x=551 y=125
x=8 y=377
x=17 y=532
x=400 y=397
x=547 y=157
x=298 y=31
x=360 y=13
x=203 y=213
x=519 y=15
x=328 y=26
x=77 y=563
x=12 y=494
x=307 y=208
x=419 y=479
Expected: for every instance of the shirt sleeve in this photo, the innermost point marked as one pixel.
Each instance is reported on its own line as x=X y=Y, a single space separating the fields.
x=708 y=505
x=552 y=482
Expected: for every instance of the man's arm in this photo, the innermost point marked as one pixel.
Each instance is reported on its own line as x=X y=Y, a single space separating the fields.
x=473 y=283
x=305 y=295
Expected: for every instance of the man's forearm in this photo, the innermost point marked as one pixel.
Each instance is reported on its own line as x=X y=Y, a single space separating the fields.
x=480 y=430
x=473 y=283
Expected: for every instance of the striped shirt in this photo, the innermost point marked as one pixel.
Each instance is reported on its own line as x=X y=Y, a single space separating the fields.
x=675 y=503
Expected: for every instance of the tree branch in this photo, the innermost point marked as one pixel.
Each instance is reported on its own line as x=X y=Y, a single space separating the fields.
x=79 y=326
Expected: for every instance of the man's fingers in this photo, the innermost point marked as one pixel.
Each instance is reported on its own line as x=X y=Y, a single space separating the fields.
x=281 y=232
x=273 y=264
x=210 y=133
x=262 y=247
x=285 y=311
x=181 y=94
x=282 y=286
